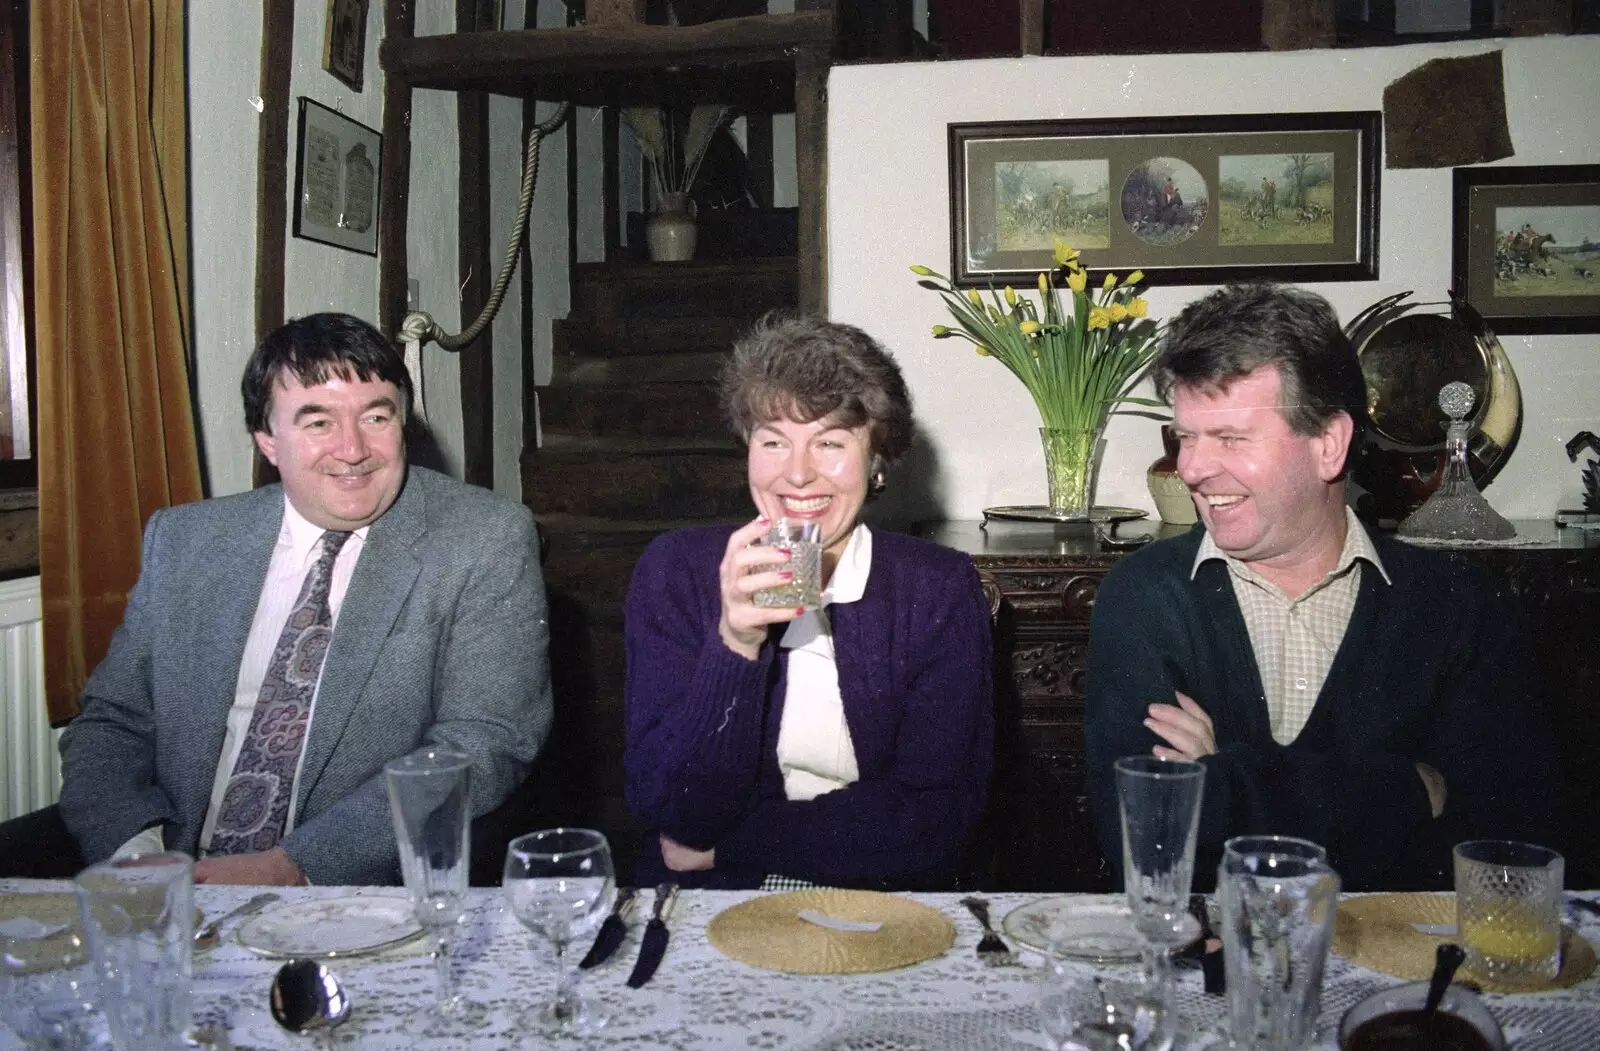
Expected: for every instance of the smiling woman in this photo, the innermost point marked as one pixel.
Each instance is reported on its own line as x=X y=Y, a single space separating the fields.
x=848 y=745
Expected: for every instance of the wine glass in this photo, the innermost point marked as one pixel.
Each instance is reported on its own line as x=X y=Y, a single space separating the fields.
x=1159 y=800
x=428 y=796
x=560 y=885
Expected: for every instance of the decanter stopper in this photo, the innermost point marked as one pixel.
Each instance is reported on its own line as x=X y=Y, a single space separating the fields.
x=1456 y=510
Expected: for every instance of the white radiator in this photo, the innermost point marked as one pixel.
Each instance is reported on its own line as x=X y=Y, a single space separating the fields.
x=30 y=766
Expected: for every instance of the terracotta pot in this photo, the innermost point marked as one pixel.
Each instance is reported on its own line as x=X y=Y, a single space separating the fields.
x=670 y=231
x=1173 y=502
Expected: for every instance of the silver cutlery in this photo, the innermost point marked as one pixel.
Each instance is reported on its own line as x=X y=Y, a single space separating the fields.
x=307 y=997
x=208 y=936
x=991 y=949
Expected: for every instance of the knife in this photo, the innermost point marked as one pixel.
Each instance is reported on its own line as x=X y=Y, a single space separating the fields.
x=611 y=931
x=654 y=944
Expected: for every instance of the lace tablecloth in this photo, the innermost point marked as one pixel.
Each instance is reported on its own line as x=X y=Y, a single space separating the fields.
x=702 y=999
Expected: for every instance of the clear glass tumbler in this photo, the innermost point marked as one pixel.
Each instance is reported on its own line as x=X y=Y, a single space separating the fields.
x=138 y=918
x=1508 y=910
x=803 y=541
x=1278 y=898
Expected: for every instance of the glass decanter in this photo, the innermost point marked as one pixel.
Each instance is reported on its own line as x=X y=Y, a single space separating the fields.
x=1456 y=510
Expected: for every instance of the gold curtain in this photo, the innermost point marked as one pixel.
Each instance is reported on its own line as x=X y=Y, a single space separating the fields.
x=111 y=301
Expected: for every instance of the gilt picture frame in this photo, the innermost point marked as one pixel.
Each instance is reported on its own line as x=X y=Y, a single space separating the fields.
x=1188 y=200
x=1526 y=246
x=336 y=180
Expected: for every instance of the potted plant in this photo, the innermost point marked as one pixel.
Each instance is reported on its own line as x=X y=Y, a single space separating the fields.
x=1077 y=353
x=675 y=153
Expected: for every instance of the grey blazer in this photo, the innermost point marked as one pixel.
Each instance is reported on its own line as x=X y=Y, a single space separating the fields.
x=442 y=638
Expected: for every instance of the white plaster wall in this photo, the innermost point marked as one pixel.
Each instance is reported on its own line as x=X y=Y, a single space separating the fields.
x=888 y=209
x=224 y=61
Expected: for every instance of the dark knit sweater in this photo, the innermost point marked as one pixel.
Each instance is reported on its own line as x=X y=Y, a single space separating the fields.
x=1435 y=668
x=914 y=658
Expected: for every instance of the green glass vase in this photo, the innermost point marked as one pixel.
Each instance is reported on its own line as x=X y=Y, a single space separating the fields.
x=1069 y=468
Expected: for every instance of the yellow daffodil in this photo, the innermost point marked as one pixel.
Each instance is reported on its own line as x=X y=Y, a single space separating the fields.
x=941 y=331
x=1135 y=277
x=1118 y=312
x=1028 y=328
x=922 y=271
x=1077 y=280
x=1011 y=296
x=1099 y=317
x=1137 y=308
x=974 y=298
x=1044 y=284
x=1111 y=282
x=1065 y=254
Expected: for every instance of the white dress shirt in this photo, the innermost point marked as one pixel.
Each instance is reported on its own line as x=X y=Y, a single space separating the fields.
x=815 y=752
x=299 y=544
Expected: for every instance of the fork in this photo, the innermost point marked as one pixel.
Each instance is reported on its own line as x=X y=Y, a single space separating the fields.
x=991 y=949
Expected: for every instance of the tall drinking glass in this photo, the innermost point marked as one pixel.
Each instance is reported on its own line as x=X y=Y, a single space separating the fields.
x=138 y=917
x=428 y=797
x=1278 y=899
x=48 y=994
x=560 y=885
x=1159 y=801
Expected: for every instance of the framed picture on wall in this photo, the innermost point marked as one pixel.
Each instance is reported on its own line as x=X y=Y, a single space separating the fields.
x=1527 y=246
x=336 y=180
x=344 y=41
x=1188 y=200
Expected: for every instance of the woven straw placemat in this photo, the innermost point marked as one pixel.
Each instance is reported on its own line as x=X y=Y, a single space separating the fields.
x=63 y=949
x=768 y=932
x=1375 y=931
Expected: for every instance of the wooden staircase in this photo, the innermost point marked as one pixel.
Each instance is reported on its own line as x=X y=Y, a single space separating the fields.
x=634 y=444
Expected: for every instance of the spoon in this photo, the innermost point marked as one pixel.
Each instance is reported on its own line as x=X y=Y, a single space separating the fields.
x=208 y=936
x=309 y=998
x=1446 y=960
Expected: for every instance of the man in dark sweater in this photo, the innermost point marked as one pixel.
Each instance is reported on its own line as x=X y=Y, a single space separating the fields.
x=1339 y=685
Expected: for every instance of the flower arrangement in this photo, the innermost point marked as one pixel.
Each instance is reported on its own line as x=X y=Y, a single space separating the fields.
x=1077 y=357
x=674 y=153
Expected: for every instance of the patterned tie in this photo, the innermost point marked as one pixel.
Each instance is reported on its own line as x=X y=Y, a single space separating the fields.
x=255 y=806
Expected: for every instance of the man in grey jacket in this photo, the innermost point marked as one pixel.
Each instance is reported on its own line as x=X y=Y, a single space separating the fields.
x=282 y=645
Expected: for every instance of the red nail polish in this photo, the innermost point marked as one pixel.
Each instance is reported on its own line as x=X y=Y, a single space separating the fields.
x=785 y=574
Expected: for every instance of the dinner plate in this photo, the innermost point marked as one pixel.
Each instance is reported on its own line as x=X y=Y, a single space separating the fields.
x=1069 y=926
x=330 y=927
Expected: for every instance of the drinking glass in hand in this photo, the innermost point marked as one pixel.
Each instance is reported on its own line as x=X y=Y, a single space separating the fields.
x=803 y=541
x=1159 y=801
x=560 y=885
x=428 y=797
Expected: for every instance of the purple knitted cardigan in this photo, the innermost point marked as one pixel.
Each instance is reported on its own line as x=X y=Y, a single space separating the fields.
x=914 y=657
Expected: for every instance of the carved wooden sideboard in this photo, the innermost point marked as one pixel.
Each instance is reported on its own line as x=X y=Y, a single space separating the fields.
x=1042 y=580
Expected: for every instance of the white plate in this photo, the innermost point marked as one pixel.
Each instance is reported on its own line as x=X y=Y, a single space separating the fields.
x=330 y=927
x=1084 y=930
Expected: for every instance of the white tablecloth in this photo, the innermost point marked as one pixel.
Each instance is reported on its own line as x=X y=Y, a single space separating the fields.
x=702 y=999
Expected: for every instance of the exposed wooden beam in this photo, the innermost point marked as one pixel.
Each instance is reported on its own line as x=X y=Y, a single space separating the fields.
x=1032 y=16
x=811 y=164
x=272 y=182
x=472 y=185
x=513 y=58
x=1537 y=17
x=614 y=12
x=1295 y=25
x=399 y=21
x=272 y=161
